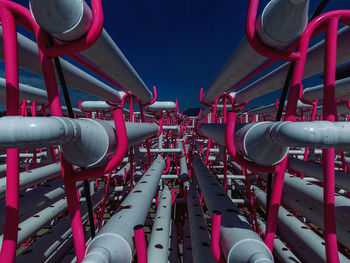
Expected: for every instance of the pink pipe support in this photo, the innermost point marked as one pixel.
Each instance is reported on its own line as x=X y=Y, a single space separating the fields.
x=8 y=248
x=140 y=244
x=215 y=235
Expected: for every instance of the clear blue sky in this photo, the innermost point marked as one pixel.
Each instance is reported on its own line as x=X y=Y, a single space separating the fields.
x=178 y=45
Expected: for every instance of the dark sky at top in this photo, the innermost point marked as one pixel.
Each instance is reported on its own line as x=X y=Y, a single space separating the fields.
x=178 y=45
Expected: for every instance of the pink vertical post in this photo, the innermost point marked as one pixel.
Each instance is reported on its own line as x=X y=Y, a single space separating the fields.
x=215 y=235
x=70 y=188
x=8 y=249
x=328 y=155
x=140 y=244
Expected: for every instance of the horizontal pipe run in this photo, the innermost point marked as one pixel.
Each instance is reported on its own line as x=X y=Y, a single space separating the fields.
x=28 y=59
x=35 y=200
x=158 y=246
x=342 y=92
x=83 y=142
x=176 y=151
x=306 y=244
x=54 y=17
x=160 y=106
x=273 y=33
x=114 y=243
x=41 y=250
x=32 y=177
x=200 y=240
x=314 y=64
x=238 y=239
x=342 y=180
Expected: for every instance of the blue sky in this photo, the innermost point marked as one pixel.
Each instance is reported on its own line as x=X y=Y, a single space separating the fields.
x=179 y=46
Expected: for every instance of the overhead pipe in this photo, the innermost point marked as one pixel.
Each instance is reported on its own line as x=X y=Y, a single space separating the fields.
x=273 y=138
x=281 y=22
x=248 y=138
x=83 y=142
x=238 y=240
x=158 y=246
x=342 y=92
x=200 y=240
x=160 y=106
x=306 y=244
x=342 y=180
x=114 y=243
x=28 y=59
x=25 y=92
x=314 y=64
x=69 y=21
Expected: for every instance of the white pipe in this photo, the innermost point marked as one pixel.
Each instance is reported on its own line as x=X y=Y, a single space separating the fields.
x=342 y=180
x=159 y=106
x=158 y=246
x=306 y=244
x=114 y=243
x=69 y=20
x=200 y=240
x=238 y=240
x=342 y=92
x=314 y=64
x=83 y=142
x=28 y=59
x=274 y=28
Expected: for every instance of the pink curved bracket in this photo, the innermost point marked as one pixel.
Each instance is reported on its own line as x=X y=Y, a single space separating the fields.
x=215 y=235
x=154 y=97
x=167 y=168
x=83 y=43
x=255 y=42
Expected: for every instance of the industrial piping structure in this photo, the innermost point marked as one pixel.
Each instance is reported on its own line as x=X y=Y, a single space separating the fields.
x=129 y=178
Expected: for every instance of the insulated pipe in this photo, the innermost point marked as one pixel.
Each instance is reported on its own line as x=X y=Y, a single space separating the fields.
x=69 y=21
x=159 y=106
x=158 y=246
x=280 y=250
x=200 y=240
x=32 y=177
x=314 y=64
x=114 y=243
x=342 y=180
x=28 y=59
x=183 y=162
x=342 y=92
x=33 y=201
x=84 y=142
x=42 y=249
x=238 y=240
x=96 y=105
x=306 y=244
x=281 y=22
x=271 y=108
x=248 y=138
x=25 y=92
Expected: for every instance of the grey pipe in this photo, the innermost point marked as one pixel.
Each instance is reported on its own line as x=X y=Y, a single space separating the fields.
x=306 y=244
x=200 y=240
x=35 y=176
x=69 y=21
x=314 y=64
x=84 y=142
x=342 y=180
x=238 y=240
x=342 y=92
x=158 y=246
x=114 y=243
x=274 y=28
x=28 y=59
